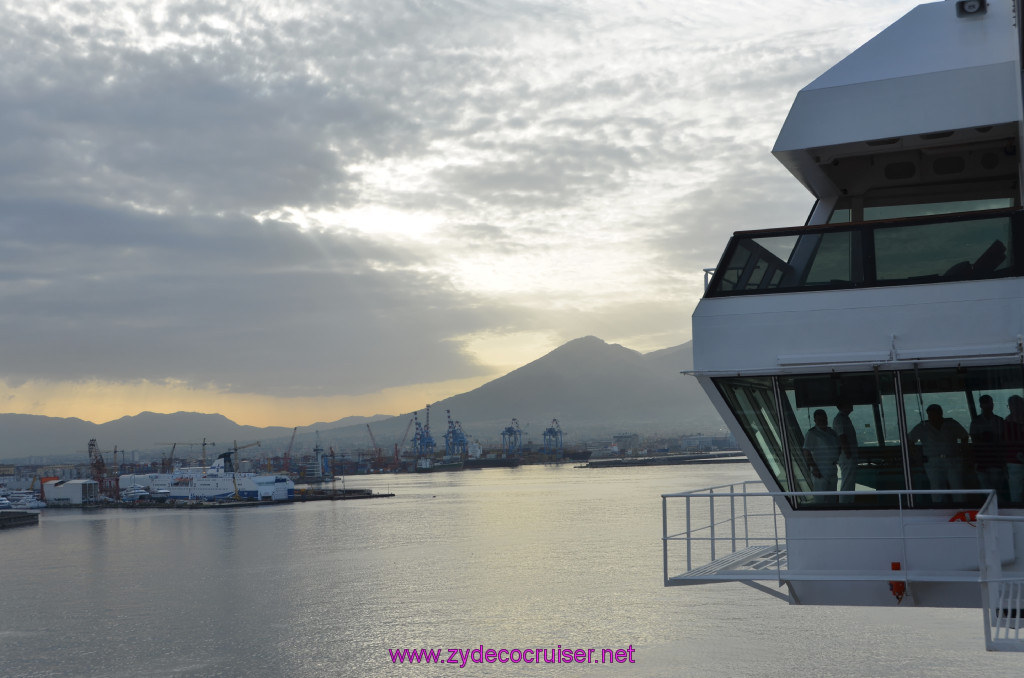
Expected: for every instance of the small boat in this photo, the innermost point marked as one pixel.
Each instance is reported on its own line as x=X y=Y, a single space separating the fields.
x=25 y=500
x=135 y=493
x=428 y=465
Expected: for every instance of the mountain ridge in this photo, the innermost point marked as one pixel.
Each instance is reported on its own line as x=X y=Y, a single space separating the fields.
x=593 y=388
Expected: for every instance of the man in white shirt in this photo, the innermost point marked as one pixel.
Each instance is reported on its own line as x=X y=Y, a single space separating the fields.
x=943 y=445
x=848 y=449
x=821 y=449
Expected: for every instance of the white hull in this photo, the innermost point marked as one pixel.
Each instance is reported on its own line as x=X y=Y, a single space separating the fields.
x=212 y=485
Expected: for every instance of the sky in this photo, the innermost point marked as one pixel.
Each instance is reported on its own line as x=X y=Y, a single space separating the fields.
x=296 y=211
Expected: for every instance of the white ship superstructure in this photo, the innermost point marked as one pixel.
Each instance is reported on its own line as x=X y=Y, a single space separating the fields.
x=214 y=483
x=871 y=362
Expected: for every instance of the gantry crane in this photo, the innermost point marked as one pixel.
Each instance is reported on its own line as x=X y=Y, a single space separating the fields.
x=422 y=442
x=553 y=440
x=455 y=442
x=512 y=439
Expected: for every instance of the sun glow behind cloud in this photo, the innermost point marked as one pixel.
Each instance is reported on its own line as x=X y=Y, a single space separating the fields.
x=233 y=207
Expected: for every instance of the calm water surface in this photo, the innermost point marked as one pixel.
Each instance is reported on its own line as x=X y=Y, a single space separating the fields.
x=538 y=556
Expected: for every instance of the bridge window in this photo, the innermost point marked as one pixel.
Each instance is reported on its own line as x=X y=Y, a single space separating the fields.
x=986 y=404
x=944 y=251
x=905 y=252
x=753 y=402
x=868 y=431
x=858 y=445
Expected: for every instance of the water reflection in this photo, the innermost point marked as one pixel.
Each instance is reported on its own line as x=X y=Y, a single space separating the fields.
x=528 y=557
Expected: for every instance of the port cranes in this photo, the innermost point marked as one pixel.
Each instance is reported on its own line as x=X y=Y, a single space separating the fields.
x=455 y=442
x=512 y=439
x=422 y=442
x=553 y=440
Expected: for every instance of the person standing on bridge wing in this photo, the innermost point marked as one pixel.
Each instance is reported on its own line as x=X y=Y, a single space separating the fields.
x=943 y=445
x=821 y=449
x=1013 y=444
x=847 y=433
x=986 y=448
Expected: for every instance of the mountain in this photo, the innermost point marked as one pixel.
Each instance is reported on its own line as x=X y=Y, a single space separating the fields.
x=593 y=388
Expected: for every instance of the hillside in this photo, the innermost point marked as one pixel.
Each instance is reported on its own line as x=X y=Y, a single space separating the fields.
x=593 y=388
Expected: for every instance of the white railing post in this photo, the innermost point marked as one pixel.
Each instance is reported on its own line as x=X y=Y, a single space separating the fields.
x=664 y=534
x=732 y=515
x=746 y=519
x=708 y=272
x=778 y=560
x=711 y=501
x=689 y=538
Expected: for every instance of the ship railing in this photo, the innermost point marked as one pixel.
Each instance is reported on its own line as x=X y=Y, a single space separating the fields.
x=708 y=274
x=1002 y=592
x=730 y=532
x=737 y=532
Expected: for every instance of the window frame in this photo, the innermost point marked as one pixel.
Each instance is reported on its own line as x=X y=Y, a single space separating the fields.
x=863 y=263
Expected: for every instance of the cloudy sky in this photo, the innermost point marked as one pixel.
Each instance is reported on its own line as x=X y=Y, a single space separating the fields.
x=295 y=211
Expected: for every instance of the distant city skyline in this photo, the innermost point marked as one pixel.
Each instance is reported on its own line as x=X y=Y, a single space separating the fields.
x=288 y=212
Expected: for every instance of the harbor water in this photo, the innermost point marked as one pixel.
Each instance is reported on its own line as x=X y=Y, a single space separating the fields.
x=531 y=557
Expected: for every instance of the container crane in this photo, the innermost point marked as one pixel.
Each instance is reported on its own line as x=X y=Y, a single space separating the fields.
x=553 y=440
x=422 y=442
x=512 y=440
x=455 y=442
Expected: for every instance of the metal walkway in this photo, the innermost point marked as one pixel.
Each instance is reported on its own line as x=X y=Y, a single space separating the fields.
x=753 y=537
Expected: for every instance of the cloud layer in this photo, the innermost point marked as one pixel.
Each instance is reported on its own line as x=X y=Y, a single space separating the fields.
x=333 y=198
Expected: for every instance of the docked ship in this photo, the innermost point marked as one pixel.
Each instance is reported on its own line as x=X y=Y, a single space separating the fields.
x=870 y=363
x=218 y=482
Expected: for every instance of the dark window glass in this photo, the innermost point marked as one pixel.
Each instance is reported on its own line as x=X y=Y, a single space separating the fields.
x=868 y=254
x=965 y=430
x=752 y=402
x=881 y=212
x=945 y=251
x=844 y=435
x=832 y=260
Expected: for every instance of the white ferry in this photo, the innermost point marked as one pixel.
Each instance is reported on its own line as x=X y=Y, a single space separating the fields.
x=870 y=363
x=214 y=483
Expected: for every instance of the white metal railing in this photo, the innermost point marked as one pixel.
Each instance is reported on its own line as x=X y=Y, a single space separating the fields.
x=732 y=533
x=736 y=528
x=753 y=519
x=1002 y=593
x=708 y=272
